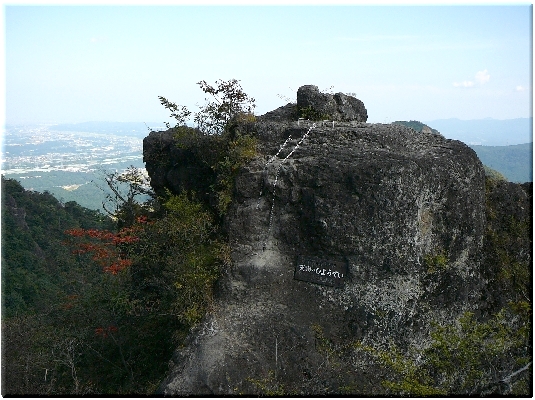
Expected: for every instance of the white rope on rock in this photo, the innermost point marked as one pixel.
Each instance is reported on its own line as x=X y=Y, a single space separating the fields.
x=278 y=172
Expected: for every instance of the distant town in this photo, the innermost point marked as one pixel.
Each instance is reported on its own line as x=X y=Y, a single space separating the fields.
x=69 y=164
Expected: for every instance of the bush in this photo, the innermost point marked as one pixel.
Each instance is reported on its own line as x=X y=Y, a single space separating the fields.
x=469 y=357
x=218 y=141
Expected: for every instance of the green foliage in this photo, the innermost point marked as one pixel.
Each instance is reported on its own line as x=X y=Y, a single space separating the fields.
x=493 y=174
x=218 y=142
x=33 y=255
x=176 y=262
x=190 y=229
x=89 y=331
x=238 y=151
x=477 y=346
x=416 y=125
x=436 y=262
x=268 y=386
x=180 y=113
x=186 y=137
x=130 y=196
x=310 y=113
x=508 y=242
x=53 y=301
x=462 y=359
x=324 y=345
x=514 y=162
x=227 y=101
x=336 y=353
x=223 y=154
x=413 y=378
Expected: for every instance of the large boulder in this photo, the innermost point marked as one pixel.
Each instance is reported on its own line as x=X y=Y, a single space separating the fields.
x=315 y=105
x=338 y=107
x=175 y=168
x=365 y=232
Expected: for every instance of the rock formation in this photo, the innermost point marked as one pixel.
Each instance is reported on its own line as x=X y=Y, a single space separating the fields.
x=365 y=232
x=338 y=107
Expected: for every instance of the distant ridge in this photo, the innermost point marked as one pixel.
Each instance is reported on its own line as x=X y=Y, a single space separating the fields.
x=486 y=132
x=514 y=162
x=417 y=126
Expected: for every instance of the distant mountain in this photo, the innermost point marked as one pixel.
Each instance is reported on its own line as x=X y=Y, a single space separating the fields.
x=514 y=162
x=486 y=132
x=417 y=126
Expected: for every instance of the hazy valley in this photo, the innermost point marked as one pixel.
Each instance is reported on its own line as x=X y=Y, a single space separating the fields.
x=71 y=160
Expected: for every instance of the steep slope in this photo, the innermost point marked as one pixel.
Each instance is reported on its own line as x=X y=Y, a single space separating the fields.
x=515 y=162
x=34 y=256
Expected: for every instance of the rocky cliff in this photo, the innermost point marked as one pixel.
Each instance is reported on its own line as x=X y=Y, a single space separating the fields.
x=340 y=232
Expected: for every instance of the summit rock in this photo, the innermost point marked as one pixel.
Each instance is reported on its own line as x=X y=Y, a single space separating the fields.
x=337 y=107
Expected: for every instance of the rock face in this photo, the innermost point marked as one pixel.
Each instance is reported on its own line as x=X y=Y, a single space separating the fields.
x=508 y=241
x=174 y=168
x=399 y=213
x=338 y=107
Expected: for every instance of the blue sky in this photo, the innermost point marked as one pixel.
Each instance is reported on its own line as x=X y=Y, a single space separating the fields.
x=110 y=63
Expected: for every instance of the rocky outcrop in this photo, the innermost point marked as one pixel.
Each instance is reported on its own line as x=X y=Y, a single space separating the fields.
x=338 y=107
x=18 y=213
x=363 y=232
x=323 y=106
x=175 y=168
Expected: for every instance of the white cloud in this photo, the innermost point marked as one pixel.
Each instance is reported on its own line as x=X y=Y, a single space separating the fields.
x=520 y=88
x=463 y=84
x=482 y=77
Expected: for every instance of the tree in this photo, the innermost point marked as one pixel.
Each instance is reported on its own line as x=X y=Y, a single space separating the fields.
x=127 y=294
x=227 y=101
x=157 y=277
x=131 y=196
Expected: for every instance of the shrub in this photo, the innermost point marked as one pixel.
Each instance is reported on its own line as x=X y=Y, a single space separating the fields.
x=218 y=141
x=468 y=357
x=310 y=113
x=436 y=262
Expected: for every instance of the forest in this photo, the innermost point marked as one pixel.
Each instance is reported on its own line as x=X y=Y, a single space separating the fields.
x=93 y=305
